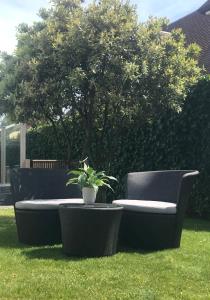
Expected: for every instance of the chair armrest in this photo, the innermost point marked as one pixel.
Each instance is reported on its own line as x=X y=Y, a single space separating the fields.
x=185 y=190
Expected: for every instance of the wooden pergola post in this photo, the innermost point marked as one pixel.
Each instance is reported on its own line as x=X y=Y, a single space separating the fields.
x=23 y=162
x=22 y=145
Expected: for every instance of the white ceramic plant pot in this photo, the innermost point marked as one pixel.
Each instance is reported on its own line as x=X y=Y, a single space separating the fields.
x=89 y=195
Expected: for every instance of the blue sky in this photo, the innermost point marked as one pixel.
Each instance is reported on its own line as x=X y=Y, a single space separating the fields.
x=14 y=12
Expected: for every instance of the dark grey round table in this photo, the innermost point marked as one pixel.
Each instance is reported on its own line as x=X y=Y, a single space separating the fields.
x=90 y=230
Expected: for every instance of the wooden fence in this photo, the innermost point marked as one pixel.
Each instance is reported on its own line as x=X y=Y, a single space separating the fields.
x=52 y=164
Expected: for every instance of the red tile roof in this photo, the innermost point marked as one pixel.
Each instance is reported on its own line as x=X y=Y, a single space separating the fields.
x=196 y=27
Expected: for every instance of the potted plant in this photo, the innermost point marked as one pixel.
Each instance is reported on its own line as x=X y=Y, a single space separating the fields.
x=89 y=180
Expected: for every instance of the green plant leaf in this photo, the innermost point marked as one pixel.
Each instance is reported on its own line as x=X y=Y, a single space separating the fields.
x=72 y=181
x=109 y=186
x=90 y=171
x=95 y=187
x=111 y=177
x=85 y=167
x=75 y=172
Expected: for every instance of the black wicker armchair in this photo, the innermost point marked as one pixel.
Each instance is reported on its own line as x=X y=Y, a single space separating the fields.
x=154 y=208
x=37 y=194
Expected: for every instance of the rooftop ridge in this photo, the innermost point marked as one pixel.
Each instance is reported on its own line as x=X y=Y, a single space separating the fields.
x=205 y=7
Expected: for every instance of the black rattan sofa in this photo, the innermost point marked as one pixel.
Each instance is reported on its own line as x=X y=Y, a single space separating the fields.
x=38 y=221
x=154 y=208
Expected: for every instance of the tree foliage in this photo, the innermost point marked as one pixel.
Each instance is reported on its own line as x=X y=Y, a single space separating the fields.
x=96 y=66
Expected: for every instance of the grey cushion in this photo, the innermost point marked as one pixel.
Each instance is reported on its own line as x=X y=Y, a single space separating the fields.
x=147 y=206
x=46 y=204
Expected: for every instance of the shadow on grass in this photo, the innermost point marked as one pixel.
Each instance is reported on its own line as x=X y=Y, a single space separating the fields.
x=54 y=253
x=131 y=250
x=193 y=224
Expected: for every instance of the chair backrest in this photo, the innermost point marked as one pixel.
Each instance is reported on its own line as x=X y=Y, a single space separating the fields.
x=41 y=184
x=155 y=185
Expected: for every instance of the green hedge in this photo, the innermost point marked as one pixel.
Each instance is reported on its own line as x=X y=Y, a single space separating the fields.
x=172 y=141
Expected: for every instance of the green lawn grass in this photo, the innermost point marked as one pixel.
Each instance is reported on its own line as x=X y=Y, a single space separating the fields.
x=45 y=273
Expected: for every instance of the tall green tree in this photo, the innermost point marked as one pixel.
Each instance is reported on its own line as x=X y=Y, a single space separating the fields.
x=96 y=66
